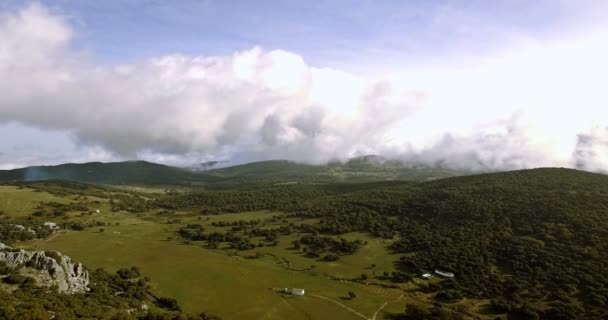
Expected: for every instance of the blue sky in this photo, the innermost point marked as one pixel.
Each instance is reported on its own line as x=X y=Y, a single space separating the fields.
x=335 y=33
x=195 y=80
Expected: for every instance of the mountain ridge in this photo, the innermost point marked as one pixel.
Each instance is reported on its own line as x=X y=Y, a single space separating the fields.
x=361 y=169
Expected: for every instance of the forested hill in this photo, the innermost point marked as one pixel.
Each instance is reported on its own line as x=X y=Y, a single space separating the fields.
x=360 y=169
x=533 y=241
x=363 y=169
x=128 y=172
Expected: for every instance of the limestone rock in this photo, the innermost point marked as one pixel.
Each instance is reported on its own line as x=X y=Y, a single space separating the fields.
x=55 y=269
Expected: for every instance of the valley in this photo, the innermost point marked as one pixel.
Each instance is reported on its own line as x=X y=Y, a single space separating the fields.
x=358 y=250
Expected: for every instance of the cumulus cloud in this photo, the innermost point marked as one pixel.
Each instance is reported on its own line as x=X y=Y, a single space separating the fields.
x=265 y=104
x=591 y=151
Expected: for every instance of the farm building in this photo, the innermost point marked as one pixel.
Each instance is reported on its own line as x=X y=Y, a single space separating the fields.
x=445 y=274
x=294 y=291
x=51 y=225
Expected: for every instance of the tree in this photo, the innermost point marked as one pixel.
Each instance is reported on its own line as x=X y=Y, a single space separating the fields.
x=168 y=303
x=207 y=316
x=414 y=312
x=330 y=257
x=352 y=295
x=128 y=273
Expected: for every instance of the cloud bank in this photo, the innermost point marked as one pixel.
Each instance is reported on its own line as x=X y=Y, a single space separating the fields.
x=542 y=104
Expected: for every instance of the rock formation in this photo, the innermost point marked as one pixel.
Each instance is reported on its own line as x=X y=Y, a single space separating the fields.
x=50 y=268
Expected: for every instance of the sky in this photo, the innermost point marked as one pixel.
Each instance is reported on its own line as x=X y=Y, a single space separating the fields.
x=467 y=84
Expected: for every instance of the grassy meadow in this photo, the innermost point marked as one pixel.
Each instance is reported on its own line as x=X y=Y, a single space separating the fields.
x=201 y=279
x=20 y=202
x=225 y=281
x=218 y=281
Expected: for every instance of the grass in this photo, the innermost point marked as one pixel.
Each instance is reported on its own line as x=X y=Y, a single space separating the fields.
x=226 y=282
x=200 y=279
x=20 y=202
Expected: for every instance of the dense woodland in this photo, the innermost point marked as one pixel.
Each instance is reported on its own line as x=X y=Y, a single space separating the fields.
x=533 y=241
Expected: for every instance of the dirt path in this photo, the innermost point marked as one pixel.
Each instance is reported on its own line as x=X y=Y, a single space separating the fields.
x=55 y=235
x=353 y=311
x=384 y=305
x=306 y=314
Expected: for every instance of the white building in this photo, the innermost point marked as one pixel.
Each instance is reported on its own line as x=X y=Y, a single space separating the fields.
x=445 y=274
x=51 y=225
x=295 y=291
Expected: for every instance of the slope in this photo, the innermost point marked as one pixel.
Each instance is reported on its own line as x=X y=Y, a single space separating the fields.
x=273 y=171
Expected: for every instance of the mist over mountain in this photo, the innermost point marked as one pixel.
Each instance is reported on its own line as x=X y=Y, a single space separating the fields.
x=362 y=169
x=537 y=102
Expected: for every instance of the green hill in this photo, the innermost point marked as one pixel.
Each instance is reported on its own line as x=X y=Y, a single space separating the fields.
x=535 y=242
x=274 y=171
x=360 y=169
x=129 y=172
x=528 y=244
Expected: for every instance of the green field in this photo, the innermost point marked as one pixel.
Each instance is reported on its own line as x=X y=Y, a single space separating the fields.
x=201 y=279
x=231 y=283
x=20 y=202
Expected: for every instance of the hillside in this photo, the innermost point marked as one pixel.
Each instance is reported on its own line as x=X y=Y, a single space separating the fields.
x=534 y=241
x=525 y=244
x=274 y=171
x=360 y=169
x=128 y=172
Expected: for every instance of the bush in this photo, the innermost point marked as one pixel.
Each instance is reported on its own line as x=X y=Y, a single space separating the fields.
x=207 y=316
x=330 y=257
x=128 y=273
x=168 y=303
x=53 y=254
x=17 y=279
x=4 y=269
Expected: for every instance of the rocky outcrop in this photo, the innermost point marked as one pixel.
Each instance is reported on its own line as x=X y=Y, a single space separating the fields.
x=50 y=268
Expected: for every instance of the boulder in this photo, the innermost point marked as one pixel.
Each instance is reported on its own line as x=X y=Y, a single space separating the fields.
x=54 y=269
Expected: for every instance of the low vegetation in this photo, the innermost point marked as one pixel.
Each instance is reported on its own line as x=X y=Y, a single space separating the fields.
x=123 y=295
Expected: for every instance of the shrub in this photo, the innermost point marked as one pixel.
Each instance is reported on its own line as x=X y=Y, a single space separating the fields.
x=168 y=303
x=53 y=254
x=17 y=279
x=4 y=269
x=128 y=273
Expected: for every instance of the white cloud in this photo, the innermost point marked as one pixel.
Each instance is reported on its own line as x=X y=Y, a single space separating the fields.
x=523 y=108
x=591 y=151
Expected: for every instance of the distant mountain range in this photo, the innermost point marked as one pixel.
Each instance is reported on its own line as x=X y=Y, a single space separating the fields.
x=360 y=169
